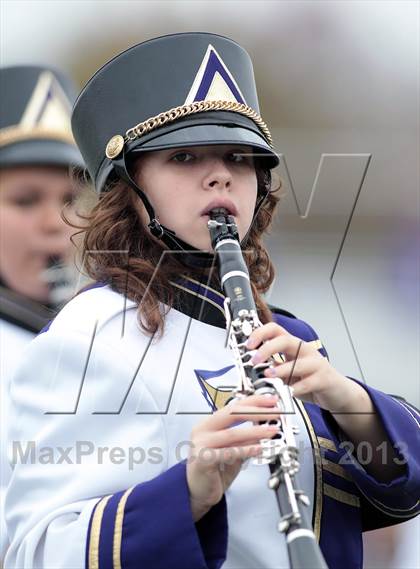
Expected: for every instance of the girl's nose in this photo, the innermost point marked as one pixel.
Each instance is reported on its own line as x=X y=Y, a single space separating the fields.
x=218 y=176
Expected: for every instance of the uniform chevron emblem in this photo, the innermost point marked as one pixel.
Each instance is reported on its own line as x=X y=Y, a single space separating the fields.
x=216 y=386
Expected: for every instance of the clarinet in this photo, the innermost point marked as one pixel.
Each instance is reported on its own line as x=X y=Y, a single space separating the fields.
x=280 y=452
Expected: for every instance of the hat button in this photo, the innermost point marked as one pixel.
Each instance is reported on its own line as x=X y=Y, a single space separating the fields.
x=114 y=146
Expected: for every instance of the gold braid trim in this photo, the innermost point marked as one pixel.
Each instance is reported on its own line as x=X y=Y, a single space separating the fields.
x=318 y=501
x=196 y=294
x=317 y=344
x=341 y=496
x=118 y=529
x=12 y=134
x=95 y=533
x=327 y=443
x=116 y=143
x=336 y=469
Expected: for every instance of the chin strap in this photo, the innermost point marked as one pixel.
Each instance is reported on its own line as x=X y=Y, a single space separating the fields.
x=192 y=255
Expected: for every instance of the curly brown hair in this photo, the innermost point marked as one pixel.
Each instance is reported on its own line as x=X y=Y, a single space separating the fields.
x=119 y=250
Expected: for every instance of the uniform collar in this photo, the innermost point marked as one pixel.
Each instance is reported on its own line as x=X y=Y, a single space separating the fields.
x=197 y=299
x=22 y=311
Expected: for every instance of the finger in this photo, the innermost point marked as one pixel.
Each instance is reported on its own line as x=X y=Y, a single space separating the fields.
x=265 y=332
x=227 y=455
x=237 y=436
x=240 y=415
x=230 y=455
x=301 y=367
x=291 y=346
x=254 y=400
x=247 y=409
x=254 y=442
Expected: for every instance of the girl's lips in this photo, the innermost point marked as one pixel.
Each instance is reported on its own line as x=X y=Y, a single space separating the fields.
x=207 y=215
x=221 y=203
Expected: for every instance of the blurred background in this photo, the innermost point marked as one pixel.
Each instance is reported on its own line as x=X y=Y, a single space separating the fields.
x=339 y=87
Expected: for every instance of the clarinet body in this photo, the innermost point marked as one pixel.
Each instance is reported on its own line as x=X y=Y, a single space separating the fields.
x=280 y=452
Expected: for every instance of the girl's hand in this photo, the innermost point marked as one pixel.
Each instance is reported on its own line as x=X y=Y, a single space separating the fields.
x=311 y=375
x=315 y=380
x=218 y=451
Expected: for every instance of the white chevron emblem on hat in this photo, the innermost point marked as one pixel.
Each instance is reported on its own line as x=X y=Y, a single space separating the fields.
x=214 y=81
x=48 y=108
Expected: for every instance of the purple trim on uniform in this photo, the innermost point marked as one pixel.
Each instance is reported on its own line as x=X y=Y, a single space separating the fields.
x=316 y=419
x=88 y=536
x=88 y=287
x=339 y=482
x=213 y=65
x=330 y=454
x=298 y=328
x=46 y=327
x=342 y=524
x=214 y=523
x=401 y=428
x=203 y=290
x=98 y=284
x=159 y=531
x=341 y=535
x=295 y=327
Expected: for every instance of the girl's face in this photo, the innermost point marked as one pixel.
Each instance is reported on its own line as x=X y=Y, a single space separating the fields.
x=31 y=228
x=183 y=184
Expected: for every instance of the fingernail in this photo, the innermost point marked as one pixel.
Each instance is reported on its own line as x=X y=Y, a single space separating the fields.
x=270 y=372
x=256 y=358
x=270 y=397
x=249 y=343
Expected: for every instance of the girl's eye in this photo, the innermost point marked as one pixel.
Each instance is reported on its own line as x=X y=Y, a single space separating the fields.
x=183 y=157
x=27 y=201
x=239 y=158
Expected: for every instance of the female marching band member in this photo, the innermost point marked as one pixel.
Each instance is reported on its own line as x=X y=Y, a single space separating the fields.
x=36 y=152
x=126 y=454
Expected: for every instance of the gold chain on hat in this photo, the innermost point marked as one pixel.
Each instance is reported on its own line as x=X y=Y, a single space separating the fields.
x=116 y=143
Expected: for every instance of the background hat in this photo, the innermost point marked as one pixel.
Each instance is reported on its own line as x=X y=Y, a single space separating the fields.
x=178 y=90
x=35 y=118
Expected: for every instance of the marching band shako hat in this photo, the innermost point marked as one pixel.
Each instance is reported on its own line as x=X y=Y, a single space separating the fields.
x=35 y=111
x=179 y=90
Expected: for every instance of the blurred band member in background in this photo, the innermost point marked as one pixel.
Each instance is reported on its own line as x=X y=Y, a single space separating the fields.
x=37 y=152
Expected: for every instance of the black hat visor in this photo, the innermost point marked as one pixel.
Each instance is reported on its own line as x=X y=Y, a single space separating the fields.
x=208 y=135
x=182 y=134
